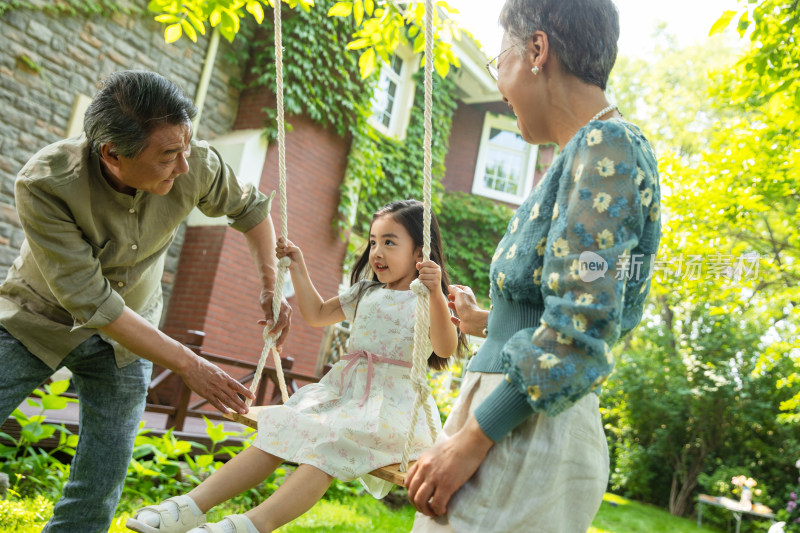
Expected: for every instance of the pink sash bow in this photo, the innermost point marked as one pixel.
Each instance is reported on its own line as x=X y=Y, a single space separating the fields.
x=371 y=358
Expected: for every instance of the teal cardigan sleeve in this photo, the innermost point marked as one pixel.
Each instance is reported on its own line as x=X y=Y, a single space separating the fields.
x=604 y=199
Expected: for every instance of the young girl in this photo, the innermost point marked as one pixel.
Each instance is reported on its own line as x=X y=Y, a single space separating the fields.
x=356 y=418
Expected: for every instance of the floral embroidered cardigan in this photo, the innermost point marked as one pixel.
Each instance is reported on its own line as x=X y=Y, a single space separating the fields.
x=552 y=324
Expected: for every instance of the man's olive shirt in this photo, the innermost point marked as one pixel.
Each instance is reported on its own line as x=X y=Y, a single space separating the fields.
x=91 y=250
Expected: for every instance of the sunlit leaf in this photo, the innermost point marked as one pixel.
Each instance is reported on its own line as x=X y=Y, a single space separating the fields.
x=366 y=63
x=721 y=23
x=341 y=9
x=189 y=30
x=172 y=33
x=255 y=9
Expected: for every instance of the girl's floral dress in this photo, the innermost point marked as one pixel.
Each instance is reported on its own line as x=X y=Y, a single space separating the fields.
x=342 y=426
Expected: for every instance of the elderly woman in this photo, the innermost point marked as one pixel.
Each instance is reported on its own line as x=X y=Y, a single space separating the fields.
x=524 y=448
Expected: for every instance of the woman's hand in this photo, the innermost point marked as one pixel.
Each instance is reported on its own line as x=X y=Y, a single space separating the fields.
x=443 y=469
x=470 y=318
x=430 y=274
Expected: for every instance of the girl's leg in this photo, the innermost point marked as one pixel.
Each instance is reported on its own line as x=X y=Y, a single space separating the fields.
x=243 y=472
x=297 y=495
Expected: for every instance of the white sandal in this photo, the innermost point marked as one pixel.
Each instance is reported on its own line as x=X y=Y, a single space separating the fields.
x=186 y=519
x=239 y=521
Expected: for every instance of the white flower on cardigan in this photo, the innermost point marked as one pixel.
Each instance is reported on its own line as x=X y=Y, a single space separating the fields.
x=552 y=281
x=514 y=225
x=605 y=239
x=639 y=176
x=512 y=251
x=575 y=269
x=647 y=196
x=579 y=322
x=605 y=167
x=601 y=202
x=561 y=247
x=541 y=246
x=555 y=212
x=594 y=137
x=534 y=212
x=585 y=299
x=654 y=212
x=578 y=173
x=548 y=360
x=497 y=254
x=537 y=276
x=563 y=339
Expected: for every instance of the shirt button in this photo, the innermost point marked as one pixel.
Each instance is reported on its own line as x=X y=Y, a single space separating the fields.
x=491 y=307
x=121 y=284
x=134 y=247
x=131 y=210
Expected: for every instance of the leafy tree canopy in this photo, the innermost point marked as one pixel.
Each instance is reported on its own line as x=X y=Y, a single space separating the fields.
x=381 y=25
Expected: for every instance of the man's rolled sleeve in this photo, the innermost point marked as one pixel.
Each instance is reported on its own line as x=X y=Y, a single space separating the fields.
x=108 y=311
x=243 y=204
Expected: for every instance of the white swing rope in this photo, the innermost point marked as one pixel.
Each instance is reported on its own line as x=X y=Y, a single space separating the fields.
x=419 y=373
x=283 y=264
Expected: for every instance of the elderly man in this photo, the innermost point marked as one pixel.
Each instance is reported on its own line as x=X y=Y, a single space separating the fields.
x=99 y=212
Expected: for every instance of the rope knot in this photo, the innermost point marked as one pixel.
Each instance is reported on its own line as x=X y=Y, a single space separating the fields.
x=419 y=288
x=284 y=262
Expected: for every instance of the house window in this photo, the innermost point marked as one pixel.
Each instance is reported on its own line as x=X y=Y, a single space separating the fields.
x=506 y=162
x=394 y=95
x=383 y=101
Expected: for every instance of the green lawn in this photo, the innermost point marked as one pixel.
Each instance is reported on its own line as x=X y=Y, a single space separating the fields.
x=619 y=515
x=362 y=514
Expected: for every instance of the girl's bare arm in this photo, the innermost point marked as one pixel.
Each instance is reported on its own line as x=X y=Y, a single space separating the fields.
x=316 y=311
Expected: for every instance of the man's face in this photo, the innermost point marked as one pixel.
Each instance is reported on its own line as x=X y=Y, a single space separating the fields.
x=155 y=169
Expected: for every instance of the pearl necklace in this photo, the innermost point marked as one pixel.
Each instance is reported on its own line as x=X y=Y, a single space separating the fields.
x=603 y=112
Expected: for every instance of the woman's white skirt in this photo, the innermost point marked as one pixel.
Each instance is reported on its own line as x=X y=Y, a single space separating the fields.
x=547 y=476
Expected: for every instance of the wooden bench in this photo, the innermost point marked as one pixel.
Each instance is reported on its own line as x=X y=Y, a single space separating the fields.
x=390 y=473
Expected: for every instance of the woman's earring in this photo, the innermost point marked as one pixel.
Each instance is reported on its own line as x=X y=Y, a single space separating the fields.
x=535 y=70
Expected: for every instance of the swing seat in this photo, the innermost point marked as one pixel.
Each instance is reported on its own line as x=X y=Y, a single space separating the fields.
x=390 y=473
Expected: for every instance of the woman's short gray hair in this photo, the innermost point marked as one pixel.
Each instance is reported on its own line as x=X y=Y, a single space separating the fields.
x=583 y=34
x=129 y=106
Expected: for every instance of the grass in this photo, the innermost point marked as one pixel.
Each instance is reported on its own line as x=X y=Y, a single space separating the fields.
x=364 y=514
x=620 y=515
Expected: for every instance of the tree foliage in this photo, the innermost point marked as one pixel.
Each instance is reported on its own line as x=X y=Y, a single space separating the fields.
x=380 y=25
x=709 y=384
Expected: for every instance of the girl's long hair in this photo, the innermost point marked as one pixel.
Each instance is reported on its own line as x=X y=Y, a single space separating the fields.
x=408 y=213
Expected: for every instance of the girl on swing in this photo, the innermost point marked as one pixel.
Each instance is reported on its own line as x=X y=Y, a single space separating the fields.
x=356 y=418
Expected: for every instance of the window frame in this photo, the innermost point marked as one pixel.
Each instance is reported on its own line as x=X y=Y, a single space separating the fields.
x=404 y=96
x=507 y=123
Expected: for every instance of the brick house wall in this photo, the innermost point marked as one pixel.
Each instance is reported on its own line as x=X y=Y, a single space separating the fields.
x=226 y=307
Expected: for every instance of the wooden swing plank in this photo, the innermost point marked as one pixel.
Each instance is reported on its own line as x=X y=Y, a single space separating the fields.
x=390 y=473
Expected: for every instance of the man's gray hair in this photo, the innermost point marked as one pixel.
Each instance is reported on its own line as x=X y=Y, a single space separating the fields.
x=583 y=34
x=129 y=106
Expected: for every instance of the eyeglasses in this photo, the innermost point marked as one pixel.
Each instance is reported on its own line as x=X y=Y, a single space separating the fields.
x=491 y=65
